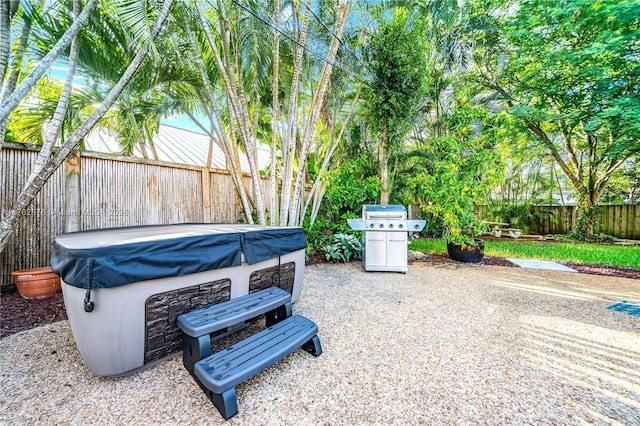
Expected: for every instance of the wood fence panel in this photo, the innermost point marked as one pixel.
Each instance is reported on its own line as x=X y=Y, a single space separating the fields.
x=225 y=204
x=118 y=193
x=620 y=221
x=606 y=221
x=225 y=207
x=30 y=244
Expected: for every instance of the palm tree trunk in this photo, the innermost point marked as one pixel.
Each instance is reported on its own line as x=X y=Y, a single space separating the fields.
x=227 y=145
x=230 y=69
x=317 y=190
x=5 y=38
x=36 y=182
x=9 y=85
x=63 y=102
x=312 y=120
x=275 y=110
x=384 y=166
x=152 y=147
x=39 y=169
x=11 y=102
x=289 y=142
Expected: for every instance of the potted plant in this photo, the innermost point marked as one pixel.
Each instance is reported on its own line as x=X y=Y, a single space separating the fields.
x=456 y=172
x=462 y=228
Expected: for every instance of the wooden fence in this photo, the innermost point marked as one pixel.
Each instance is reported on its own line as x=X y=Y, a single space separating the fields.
x=93 y=191
x=621 y=221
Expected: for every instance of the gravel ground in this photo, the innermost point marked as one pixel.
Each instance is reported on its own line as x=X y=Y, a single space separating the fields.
x=443 y=344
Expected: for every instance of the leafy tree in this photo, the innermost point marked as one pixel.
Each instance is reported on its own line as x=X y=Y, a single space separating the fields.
x=569 y=72
x=624 y=186
x=397 y=60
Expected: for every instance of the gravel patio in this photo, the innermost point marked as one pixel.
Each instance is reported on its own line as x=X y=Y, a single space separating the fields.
x=443 y=344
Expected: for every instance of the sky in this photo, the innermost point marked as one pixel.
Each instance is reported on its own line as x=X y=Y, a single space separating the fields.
x=183 y=122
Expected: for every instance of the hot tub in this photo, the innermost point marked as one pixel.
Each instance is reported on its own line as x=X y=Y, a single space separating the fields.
x=124 y=287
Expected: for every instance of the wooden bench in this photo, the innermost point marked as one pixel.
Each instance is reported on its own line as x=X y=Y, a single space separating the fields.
x=498 y=227
x=219 y=373
x=231 y=315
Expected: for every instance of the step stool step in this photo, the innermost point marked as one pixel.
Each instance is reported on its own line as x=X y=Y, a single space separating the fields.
x=219 y=373
x=197 y=325
x=222 y=315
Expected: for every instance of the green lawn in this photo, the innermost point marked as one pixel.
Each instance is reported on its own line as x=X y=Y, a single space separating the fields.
x=587 y=253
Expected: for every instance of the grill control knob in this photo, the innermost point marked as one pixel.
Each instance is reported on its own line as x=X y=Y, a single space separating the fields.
x=416 y=226
x=381 y=225
x=391 y=226
x=401 y=226
x=371 y=226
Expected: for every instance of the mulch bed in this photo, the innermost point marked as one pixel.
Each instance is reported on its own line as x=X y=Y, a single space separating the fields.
x=18 y=314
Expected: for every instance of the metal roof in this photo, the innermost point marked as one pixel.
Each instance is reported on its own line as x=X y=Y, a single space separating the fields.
x=173 y=145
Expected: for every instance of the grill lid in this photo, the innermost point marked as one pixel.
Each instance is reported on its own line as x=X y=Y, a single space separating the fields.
x=391 y=211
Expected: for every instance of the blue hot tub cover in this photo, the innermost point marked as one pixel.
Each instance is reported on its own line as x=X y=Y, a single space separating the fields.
x=119 y=256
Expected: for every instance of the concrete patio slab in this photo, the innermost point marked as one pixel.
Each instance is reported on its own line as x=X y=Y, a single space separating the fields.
x=546 y=265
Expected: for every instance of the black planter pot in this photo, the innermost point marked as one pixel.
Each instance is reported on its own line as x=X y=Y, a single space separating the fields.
x=470 y=253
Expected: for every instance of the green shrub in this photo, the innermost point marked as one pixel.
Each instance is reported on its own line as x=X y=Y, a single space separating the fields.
x=343 y=248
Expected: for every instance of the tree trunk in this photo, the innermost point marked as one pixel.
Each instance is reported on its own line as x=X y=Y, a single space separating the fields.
x=312 y=119
x=289 y=142
x=37 y=181
x=231 y=73
x=587 y=214
x=5 y=38
x=275 y=112
x=317 y=190
x=9 y=85
x=383 y=159
x=226 y=144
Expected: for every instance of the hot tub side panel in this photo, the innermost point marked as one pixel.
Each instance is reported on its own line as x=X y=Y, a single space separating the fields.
x=121 y=335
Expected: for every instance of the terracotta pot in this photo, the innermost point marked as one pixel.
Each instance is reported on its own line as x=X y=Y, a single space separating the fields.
x=37 y=283
x=470 y=253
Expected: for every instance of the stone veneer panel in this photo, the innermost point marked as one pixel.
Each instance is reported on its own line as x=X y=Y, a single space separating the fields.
x=279 y=276
x=163 y=336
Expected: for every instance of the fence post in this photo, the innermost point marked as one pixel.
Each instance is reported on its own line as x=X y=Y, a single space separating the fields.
x=206 y=195
x=72 y=208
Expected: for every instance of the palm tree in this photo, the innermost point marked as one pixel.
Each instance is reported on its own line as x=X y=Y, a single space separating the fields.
x=228 y=47
x=134 y=14
x=12 y=98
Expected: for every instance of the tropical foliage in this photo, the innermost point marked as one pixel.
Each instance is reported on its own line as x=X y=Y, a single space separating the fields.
x=395 y=53
x=343 y=248
x=457 y=175
x=452 y=103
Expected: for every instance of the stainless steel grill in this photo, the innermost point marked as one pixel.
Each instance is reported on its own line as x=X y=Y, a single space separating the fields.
x=386 y=231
